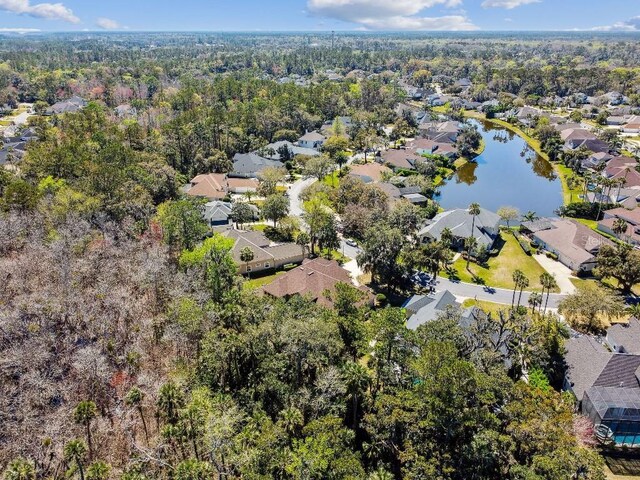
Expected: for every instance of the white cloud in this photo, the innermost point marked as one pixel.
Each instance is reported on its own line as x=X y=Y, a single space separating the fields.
x=390 y=14
x=107 y=24
x=19 y=30
x=631 y=25
x=508 y=4
x=49 y=11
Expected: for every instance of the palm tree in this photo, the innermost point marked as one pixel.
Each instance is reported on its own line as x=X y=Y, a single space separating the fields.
x=246 y=256
x=517 y=277
x=619 y=227
x=357 y=380
x=98 y=471
x=20 y=469
x=75 y=451
x=134 y=399
x=83 y=414
x=548 y=282
x=474 y=211
x=380 y=474
x=524 y=283
x=530 y=216
x=303 y=240
x=633 y=310
x=446 y=237
x=291 y=420
x=470 y=243
x=170 y=401
x=535 y=299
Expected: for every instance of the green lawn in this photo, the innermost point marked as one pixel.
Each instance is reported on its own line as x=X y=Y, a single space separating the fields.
x=487 y=307
x=261 y=281
x=499 y=269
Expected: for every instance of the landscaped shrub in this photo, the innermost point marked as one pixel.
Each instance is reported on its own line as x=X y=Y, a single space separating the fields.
x=381 y=299
x=524 y=243
x=585 y=210
x=551 y=255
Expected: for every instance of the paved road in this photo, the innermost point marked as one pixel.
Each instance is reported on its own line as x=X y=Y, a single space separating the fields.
x=499 y=295
x=294 y=195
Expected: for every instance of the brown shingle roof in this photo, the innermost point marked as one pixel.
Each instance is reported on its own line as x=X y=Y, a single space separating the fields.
x=209 y=185
x=372 y=170
x=312 y=278
x=573 y=240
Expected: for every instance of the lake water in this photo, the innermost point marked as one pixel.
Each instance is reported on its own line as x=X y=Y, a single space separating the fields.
x=507 y=173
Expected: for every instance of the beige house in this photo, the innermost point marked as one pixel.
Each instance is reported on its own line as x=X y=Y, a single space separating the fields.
x=267 y=255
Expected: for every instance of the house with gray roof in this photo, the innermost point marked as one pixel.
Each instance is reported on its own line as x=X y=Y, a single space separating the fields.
x=71 y=105
x=624 y=337
x=607 y=387
x=218 y=213
x=427 y=308
x=249 y=165
x=312 y=140
x=486 y=227
x=293 y=149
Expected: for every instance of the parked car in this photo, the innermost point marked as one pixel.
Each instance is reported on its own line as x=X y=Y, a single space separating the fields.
x=351 y=242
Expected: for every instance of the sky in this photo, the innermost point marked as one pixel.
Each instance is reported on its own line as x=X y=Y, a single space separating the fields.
x=318 y=15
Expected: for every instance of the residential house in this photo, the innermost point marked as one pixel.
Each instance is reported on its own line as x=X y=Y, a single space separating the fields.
x=607 y=384
x=313 y=279
x=423 y=309
x=276 y=149
x=575 y=244
x=595 y=160
x=624 y=337
x=70 y=105
x=267 y=255
x=312 y=140
x=438 y=100
x=249 y=165
x=425 y=146
x=629 y=198
x=216 y=186
x=218 y=213
x=369 y=172
x=400 y=158
x=463 y=83
x=486 y=227
x=443 y=132
x=574 y=137
x=623 y=168
x=631 y=217
x=527 y=115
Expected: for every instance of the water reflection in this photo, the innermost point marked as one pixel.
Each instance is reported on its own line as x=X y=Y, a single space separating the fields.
x=508 y=172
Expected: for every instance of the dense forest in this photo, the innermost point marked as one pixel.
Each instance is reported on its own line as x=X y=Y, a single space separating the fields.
x=131 y=348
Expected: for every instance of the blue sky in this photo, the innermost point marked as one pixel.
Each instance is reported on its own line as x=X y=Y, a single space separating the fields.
x=298 y=15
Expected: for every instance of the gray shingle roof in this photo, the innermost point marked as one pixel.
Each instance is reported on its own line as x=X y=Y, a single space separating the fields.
x=427 y=308
x=460 y=221
x=585 y=359
x=625 y=335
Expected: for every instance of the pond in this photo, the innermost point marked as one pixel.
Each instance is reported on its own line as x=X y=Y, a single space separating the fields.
x=507 y=173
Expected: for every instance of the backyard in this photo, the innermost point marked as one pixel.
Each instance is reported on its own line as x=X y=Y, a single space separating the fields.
x=498 y=271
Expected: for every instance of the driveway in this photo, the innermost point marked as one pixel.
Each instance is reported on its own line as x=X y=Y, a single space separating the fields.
x=497 y=295
x=561 y=273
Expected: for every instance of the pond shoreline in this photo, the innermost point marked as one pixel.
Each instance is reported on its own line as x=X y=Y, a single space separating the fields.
x=567 y=193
